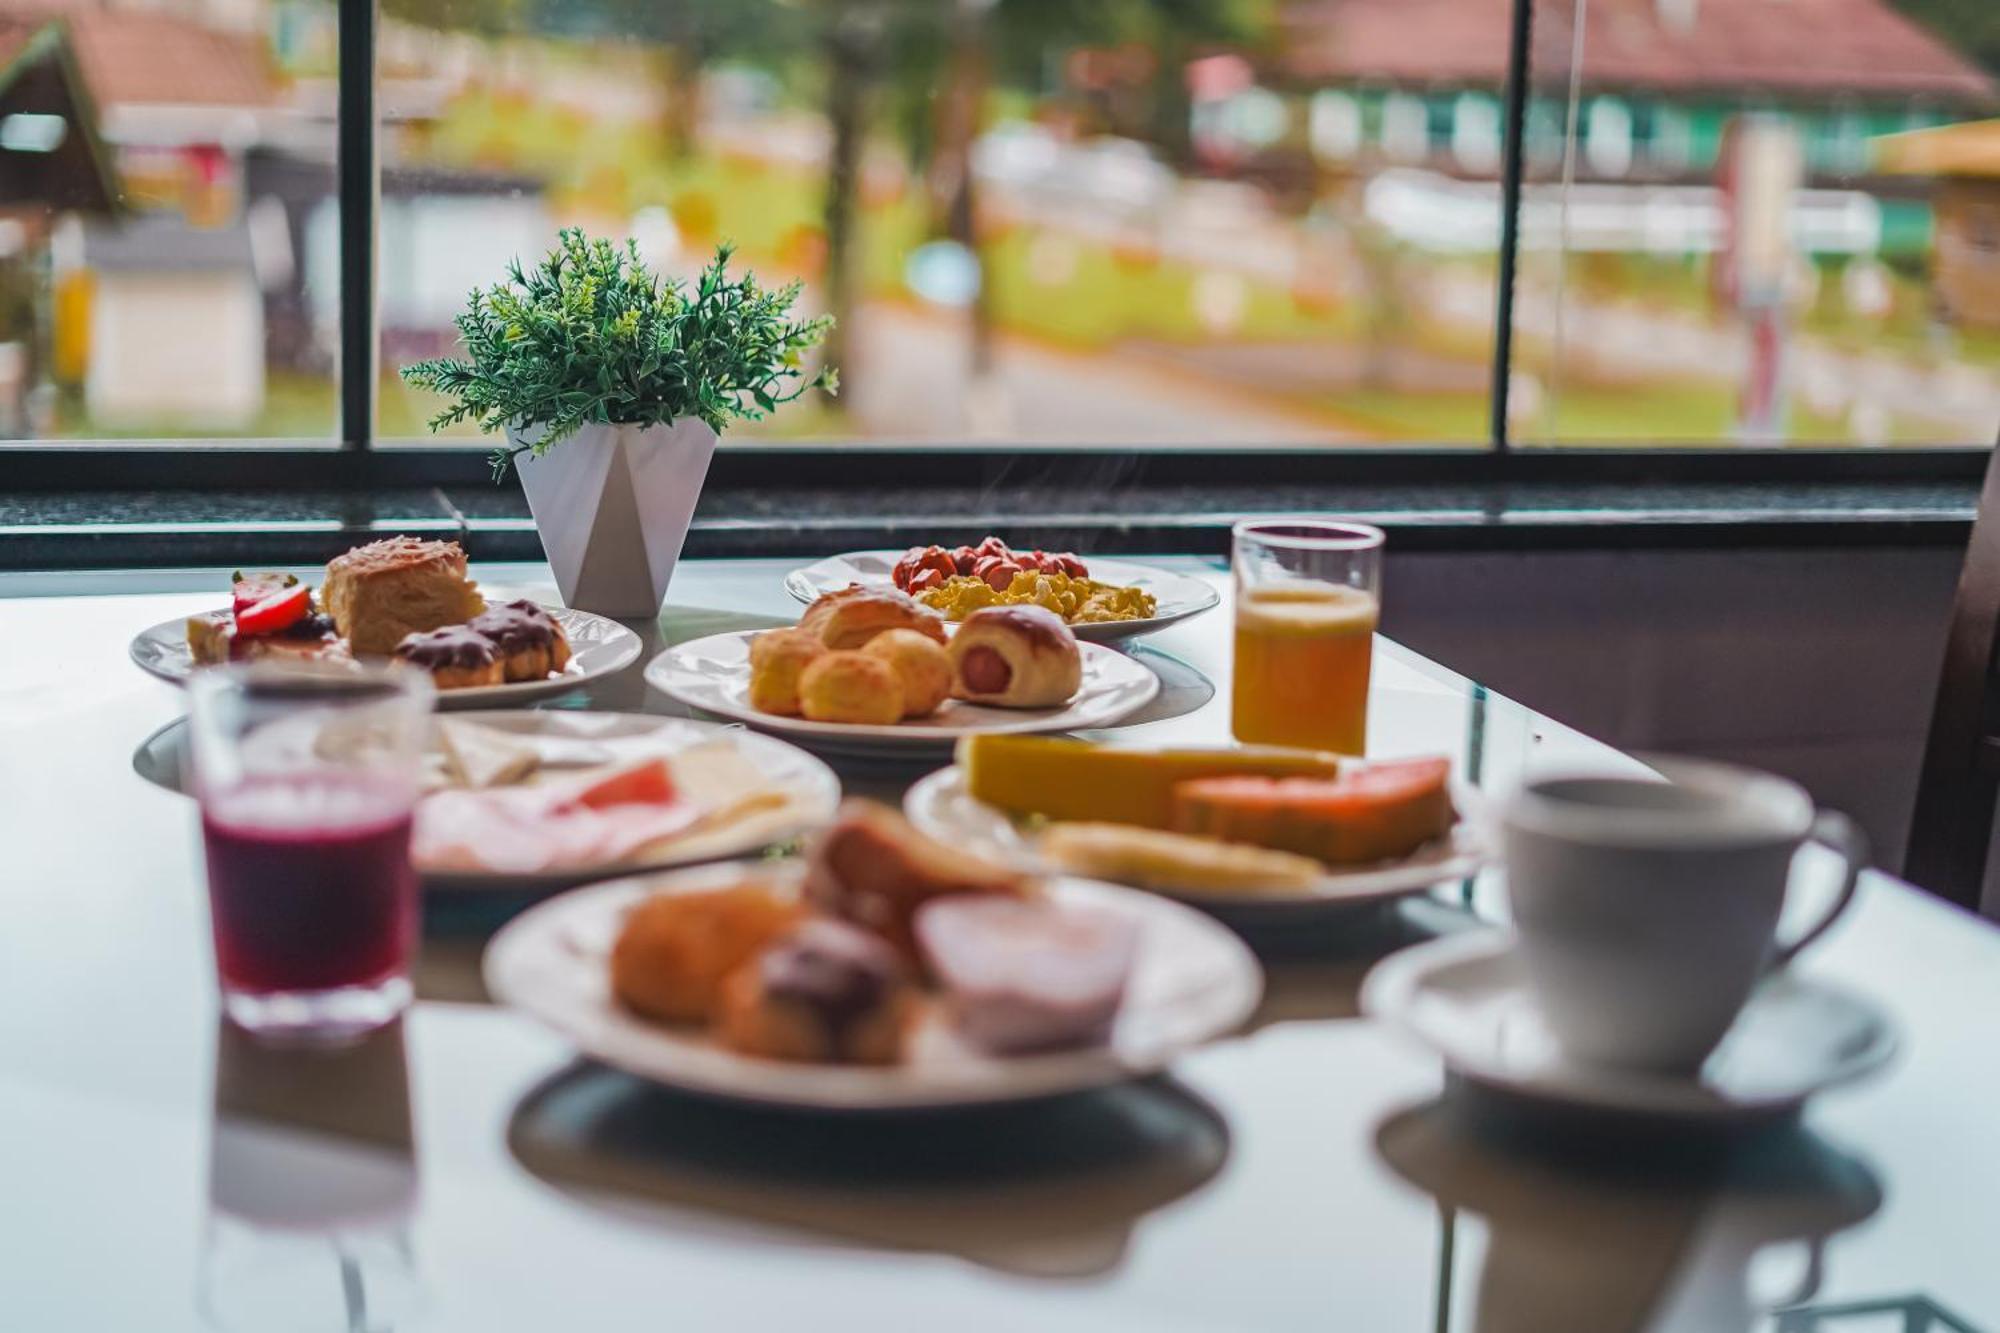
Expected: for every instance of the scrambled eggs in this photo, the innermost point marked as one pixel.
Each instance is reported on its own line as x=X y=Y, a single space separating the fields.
x=1078 y=601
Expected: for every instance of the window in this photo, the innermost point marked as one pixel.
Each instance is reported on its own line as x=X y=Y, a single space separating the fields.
x=1201 y=225
x=157 y=166
x=1765 y=235
x=1149 y=226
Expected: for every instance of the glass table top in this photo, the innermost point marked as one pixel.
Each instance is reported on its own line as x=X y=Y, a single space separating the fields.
x=464 y=1171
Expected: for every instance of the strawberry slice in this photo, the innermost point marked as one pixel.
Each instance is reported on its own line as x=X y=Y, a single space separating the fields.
x=246 y=590
x=278 y=611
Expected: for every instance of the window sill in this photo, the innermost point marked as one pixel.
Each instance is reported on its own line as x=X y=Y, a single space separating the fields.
x=105 y=529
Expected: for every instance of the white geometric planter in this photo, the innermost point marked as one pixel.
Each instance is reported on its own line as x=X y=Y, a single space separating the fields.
x=613 y=504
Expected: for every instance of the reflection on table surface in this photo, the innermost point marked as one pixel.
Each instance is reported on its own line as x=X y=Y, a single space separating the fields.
x=463 y=1171
x=312 y=1175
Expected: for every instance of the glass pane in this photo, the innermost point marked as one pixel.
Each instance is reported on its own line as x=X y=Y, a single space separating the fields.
x=1774 y=224
x=159 y=167
x=1207 y=222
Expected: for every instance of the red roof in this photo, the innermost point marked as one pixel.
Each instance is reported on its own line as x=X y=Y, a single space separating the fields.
x=134 y=56
x=1813 y=48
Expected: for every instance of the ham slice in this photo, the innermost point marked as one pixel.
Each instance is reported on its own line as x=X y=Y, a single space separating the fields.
x=577 y=825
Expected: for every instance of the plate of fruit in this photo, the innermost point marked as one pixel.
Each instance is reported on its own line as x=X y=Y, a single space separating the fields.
x=403 y=598
x=873 y=670
x=1099 y=598
x=1245 y=833
x=881 y=971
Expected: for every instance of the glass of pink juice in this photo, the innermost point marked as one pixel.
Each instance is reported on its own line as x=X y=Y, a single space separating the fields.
x=307 y=775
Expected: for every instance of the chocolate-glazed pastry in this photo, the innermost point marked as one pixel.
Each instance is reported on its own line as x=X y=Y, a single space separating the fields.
x=825 y=992
x=530 y=641
x=457 y=656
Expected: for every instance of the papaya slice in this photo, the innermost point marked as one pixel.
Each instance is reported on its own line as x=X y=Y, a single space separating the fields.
x=1378 y=812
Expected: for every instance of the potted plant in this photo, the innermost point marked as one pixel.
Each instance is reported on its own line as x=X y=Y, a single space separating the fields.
x=611 y=383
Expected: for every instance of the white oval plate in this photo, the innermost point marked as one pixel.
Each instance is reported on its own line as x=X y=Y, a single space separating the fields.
x=1464 y=997
x=573 y=740
x=598 y=647
x=940 y=805
x=588 y=738
x=1178 y=595
x=713 y=674
x=1192 y=982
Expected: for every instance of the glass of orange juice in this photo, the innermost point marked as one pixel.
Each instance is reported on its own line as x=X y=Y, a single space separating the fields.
x=1307 y=597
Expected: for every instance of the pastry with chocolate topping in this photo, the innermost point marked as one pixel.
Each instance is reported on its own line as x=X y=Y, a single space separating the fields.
x=826 y=992
x=457 y=657
x=532 y=645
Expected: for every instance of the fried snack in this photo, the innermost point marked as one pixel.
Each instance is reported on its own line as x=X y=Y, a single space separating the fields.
x=457 y=657
x=1015 y=657
x=532 y=644
x=873 y=868
x=851 y=616
x=826 y=992
x=777 y=657
x=381 y=593
x=675 y=948
x=851 y=687
x=923 y=668
x=1150 y=858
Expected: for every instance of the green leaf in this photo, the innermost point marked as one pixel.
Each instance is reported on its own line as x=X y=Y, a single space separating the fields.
x=591 y=334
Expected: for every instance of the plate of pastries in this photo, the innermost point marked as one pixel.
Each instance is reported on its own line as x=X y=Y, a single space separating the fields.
x=1247 y=833
x=881 y=970
x=404 y=598
x=1100 y=599
x=873 y=669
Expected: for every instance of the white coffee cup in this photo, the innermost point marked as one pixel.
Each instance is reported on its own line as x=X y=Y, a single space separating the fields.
x=1647 y=910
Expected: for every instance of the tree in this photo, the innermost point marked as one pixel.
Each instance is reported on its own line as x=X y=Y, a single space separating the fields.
x=1972 y=26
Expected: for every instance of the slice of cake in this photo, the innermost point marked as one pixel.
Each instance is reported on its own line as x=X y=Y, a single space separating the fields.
x=381 y=592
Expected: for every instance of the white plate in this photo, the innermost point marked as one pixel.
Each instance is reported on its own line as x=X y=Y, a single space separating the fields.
x=578 y=739
x=1178 y=596
x=573 y=740
x=714 y=674
x=940 y=805
x=1464 y=998
x=1192 y=982
x=598 y=646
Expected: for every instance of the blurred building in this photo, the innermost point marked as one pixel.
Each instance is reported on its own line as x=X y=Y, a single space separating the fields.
x=1418 y=82
x=156 y=314
x=1410 y=90
x=1965 y=161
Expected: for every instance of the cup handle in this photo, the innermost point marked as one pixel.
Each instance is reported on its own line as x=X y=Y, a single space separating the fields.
x=1807 y=1286
x=1840 y=833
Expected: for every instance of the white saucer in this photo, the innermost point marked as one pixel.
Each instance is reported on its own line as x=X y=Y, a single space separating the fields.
x=1464 y=998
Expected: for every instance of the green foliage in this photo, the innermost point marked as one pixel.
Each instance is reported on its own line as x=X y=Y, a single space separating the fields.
x=592 y=335
x=1972 y=26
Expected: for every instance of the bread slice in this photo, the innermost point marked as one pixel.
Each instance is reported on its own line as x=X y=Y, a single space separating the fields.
x=385 y=590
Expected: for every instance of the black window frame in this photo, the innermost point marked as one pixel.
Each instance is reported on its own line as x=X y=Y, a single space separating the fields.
x=352 y=461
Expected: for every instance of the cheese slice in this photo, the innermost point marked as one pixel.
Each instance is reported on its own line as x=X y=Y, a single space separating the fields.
x=722 y=782
x=481 y=757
